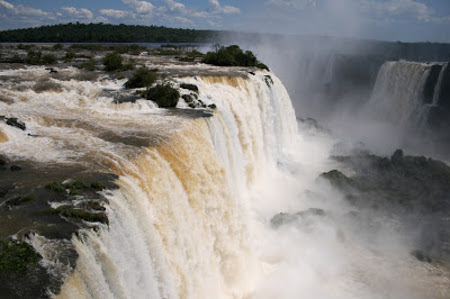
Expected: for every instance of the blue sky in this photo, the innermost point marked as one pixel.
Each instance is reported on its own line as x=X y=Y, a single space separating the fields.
x=405 y=20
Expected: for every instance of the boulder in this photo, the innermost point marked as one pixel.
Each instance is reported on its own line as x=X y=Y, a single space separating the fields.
x=14 y=122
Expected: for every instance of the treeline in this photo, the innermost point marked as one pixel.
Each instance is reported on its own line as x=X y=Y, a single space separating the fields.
x=107 y=33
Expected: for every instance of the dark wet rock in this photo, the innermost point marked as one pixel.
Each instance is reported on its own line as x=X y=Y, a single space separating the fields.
x=430 y=83
x=191 y=87
x=444 y=92
x=20 y=200
x=286 y=218
x=212 y=106
x=338 y=179
x=421 y=256
x=80 y=214
x=397 y=157
x=268 y=79
x=252 y=73
x=126 y=97
x=3 y=192
x=14 y=122
x=312 y=123
x=93 y=205
x=187 y=98
x=414 y=190
x=15 y=168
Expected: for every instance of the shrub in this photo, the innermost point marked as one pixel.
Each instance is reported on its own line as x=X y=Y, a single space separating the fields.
x=55 y=186
x=49 y=59
x=113 y=62
x=16 y=256
x=88 y=65
x=141 y=78
x=164 y=95
x=84 y=215
x=69 y=56
x=15 y=59
x=33 y=57
x=57 y=47
x=233 y=56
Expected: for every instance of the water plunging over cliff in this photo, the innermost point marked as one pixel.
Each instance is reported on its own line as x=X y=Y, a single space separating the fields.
x=405 y=92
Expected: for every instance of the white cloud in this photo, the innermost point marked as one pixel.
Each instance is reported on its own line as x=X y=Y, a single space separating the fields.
x=6 y=5
x=176 y=6
x=293 y=4
x=140 y=7
x=21 y=10
x=398 y=8
x=217 y=8
x=116 y=14
x=78 y=13
x=184 y=21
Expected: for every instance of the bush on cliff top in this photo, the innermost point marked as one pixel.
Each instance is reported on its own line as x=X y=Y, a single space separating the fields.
x=164 y=95
x=233 y=56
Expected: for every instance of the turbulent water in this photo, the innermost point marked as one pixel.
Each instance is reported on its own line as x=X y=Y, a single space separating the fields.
x=191 y=217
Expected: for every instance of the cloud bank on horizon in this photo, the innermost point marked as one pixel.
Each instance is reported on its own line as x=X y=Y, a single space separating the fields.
x=406 y=20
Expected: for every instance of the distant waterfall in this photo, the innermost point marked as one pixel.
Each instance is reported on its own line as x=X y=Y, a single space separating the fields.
x=405 y=92
x=178 y=223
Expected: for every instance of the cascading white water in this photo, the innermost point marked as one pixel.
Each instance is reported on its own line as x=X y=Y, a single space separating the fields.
x=178 y=224
x=397 y=95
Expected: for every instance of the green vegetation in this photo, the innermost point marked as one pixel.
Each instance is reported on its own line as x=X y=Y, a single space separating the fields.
x=49 y=59
x=74 y=186
x=233 y=56
x=114 y=62
x=57 y=47
x=78 y=214
x=55 y=186
x=33 y=57
x=17 y=256
x=191 y=87
x=84 y=215
x=88 y=65
x=69 y=56
x=164 y=95
x=142 y=77
x=102 y=33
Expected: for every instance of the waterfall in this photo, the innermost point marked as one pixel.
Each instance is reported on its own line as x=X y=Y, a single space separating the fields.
x=179 y=221
x=398 y=90
x=405 y=91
